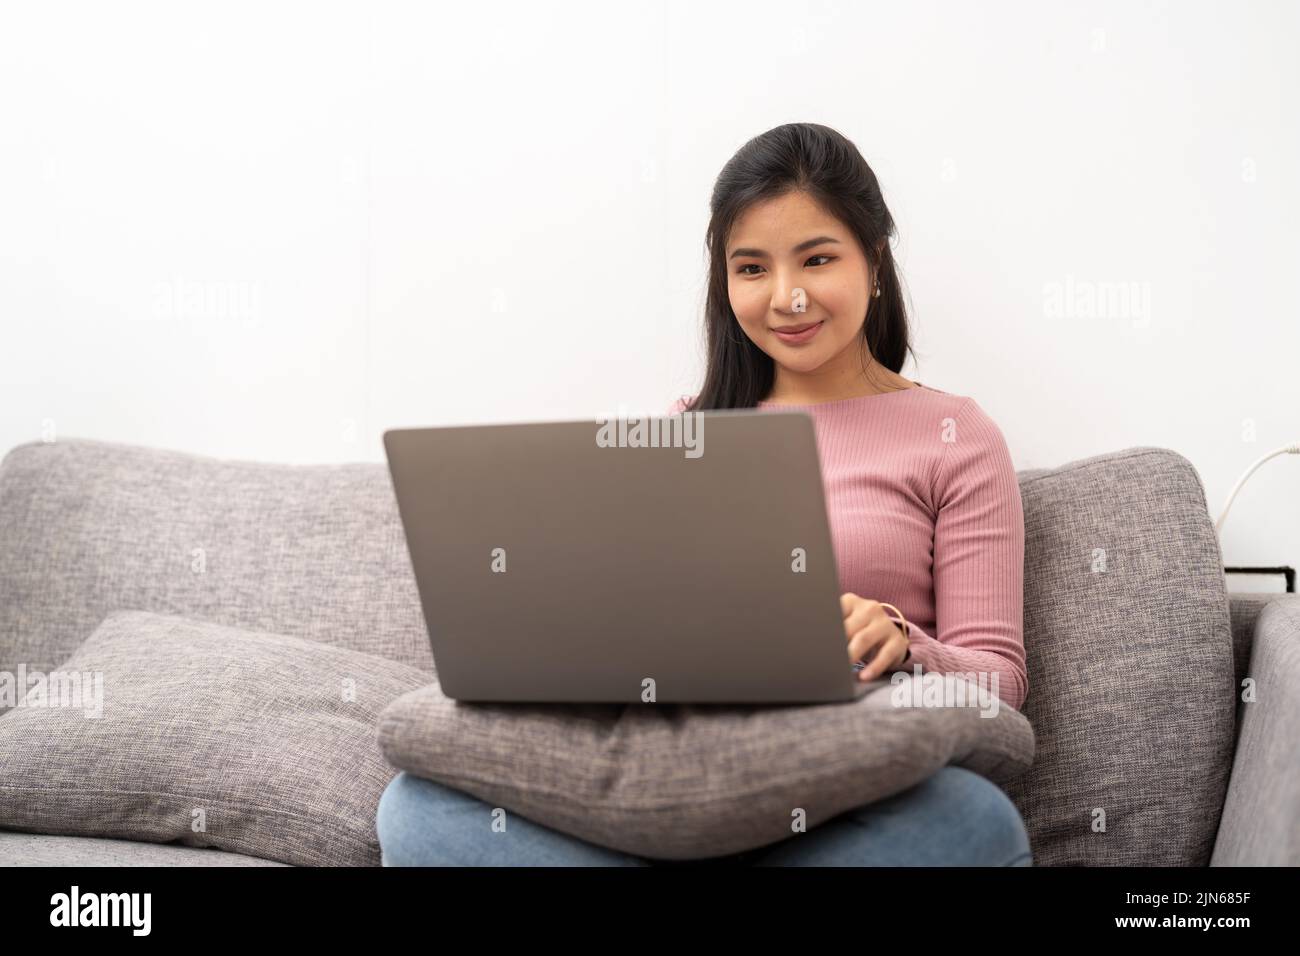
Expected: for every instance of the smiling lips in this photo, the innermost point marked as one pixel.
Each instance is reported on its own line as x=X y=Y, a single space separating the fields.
x=795 y=334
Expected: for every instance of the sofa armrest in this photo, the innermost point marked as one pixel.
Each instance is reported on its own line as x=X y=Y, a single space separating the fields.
x=1260 y=824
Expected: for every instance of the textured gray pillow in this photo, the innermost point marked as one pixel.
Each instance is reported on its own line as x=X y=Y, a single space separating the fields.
x=676 y=781
x=272 y=738
x=1129 y=650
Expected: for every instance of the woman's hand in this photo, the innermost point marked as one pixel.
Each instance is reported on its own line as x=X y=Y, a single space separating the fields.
x=868 y=627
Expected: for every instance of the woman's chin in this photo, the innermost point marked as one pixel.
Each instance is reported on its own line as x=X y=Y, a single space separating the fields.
x=803 y=364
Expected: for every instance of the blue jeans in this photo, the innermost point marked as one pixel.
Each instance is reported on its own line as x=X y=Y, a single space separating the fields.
x=954 y=818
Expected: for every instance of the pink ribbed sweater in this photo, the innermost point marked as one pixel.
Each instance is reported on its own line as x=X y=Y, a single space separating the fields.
x=925 y=514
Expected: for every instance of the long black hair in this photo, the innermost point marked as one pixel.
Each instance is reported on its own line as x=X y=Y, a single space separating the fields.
x=821 y=162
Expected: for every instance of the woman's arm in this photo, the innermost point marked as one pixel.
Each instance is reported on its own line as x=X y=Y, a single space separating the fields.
x=979 y=555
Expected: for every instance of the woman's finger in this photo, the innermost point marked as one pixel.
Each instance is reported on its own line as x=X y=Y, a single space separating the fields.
x=861 y=616
x=864 y=639
x=890 y=653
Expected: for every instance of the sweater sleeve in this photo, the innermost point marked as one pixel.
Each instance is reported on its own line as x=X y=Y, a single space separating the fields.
x=979 y=553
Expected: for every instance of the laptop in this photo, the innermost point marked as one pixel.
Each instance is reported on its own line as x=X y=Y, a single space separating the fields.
x=671 y=559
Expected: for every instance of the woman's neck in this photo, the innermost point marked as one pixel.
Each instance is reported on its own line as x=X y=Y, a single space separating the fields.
x=794 y=389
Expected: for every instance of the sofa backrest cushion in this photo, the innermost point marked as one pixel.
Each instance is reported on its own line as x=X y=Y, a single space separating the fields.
x=311 y=551
x=1129 y=651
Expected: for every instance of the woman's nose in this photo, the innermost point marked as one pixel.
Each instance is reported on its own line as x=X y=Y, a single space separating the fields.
x=787 y=296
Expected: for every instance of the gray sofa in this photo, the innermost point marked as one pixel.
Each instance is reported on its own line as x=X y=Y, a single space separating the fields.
x=1148 y=751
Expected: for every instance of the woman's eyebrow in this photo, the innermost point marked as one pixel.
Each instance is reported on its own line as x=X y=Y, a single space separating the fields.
x=760 y=254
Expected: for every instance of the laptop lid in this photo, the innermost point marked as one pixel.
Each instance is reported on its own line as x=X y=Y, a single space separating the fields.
x=574 y=561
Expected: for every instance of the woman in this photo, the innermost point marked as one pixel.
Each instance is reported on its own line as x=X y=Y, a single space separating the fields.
x=805 y=310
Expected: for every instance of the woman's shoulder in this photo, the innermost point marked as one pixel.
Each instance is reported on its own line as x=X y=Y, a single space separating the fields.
x=975 y=444
x=680 y=405
x=968 y=431
x=960 y=406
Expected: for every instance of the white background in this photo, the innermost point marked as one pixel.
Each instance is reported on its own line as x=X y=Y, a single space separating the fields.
x=271 y=231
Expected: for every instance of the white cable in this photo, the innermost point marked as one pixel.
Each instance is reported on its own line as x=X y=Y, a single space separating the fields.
x=1284 y=450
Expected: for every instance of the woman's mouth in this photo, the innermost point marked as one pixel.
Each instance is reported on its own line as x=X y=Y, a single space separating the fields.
x=798 y=334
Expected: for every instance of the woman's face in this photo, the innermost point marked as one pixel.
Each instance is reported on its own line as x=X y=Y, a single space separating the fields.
x=792 y=266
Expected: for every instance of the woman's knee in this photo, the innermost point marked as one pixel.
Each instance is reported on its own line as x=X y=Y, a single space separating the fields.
x=955 y=817
x=424 y=823
x=416 y=820
x=991 y=829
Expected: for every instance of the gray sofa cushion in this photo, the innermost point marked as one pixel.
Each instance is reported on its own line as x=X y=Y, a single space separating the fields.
x=266 y=741
x=311 y=551
x=676 y=781
x=1130 y=659
x=41 y=849
x=1261 y=813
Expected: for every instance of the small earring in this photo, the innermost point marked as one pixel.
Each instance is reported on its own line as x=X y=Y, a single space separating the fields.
x=876 y=294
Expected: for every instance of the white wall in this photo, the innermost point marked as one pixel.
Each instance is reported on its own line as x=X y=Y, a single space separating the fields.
x=271 y=231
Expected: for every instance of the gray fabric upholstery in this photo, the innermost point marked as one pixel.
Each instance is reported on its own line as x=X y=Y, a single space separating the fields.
x=311 y=551
x=1245 y=609
x=675 y=781
x=40 y=849
x=1260 y=825
x=1132 y=675
x=271 y=738
x=1130 y=663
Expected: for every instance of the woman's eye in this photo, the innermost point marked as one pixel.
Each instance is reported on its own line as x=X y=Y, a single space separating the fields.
x=751 y=265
